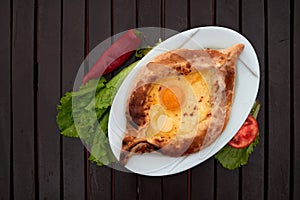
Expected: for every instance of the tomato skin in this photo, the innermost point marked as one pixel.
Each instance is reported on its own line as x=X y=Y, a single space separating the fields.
x=246 y=134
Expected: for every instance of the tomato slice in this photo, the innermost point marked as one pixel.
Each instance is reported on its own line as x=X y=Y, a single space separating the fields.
x=246 y=135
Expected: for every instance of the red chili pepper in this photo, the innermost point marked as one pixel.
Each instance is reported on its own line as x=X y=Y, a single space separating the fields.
x=115 y=55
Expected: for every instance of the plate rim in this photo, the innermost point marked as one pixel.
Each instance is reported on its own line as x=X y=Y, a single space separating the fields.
x=137 y=68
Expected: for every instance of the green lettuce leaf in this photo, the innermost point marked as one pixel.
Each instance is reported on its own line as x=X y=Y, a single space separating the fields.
x=105 y=96
x=64 y=118
x=70 y=131
x=100 y=152
x=232 y=158
x=84 y=114
x=140 y=53
x=100 y=148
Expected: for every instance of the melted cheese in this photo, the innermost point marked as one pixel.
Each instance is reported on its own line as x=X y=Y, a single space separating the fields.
x=177 y=105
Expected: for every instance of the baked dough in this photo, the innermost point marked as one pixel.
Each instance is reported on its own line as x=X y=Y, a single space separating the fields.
x=207 y=79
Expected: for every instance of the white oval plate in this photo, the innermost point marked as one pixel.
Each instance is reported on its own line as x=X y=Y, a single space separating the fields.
x=246 y=88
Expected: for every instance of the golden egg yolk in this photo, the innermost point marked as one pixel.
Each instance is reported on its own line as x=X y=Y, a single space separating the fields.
x=171 y=97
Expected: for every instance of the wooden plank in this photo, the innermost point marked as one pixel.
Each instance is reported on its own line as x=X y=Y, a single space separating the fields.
x=227 y=182
x=49 y=26
x=296 y=78
x=202 y=180
x=149 y=15
x=176 y=186
x=253 y=173
x=72 y=56
x=100 y=182
x=176 y=18
x=201 y=13
x=124 y=18
x=99 y=28
x=99 y=22
x=227 y=13
x=279 y=99
x=5 y=98
x=149 y=188
x=176 y=14
x=203 y=174
x=23 y=97
x=125 y=185
x=124 y=15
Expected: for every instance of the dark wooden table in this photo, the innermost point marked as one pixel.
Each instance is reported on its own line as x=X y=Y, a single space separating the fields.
x=42 y=44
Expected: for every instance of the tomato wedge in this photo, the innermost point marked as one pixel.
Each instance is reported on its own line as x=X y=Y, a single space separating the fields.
x=246 y=135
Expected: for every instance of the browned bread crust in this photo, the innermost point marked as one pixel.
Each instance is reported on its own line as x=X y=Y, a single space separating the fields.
x=183 y=62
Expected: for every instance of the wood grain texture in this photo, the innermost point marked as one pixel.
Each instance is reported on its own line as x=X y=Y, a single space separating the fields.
x=176 y=18
x=23 y=98
x=149 y=188
x=124 y=15
x=5 y=100
x=42 y=46
x=202 y=180
x=279 y=100
x=202 y=176
x=125 y=186
x=201 y=13
x=49 y=27
x=72 y=56
x=296 y=100
x=149 y=15
x=227 y=13
x=176 y=14
x=100 y=182
x=99 y=22
x=176 y=186
x=227 y=185
x=99 y=28
x=253 y=173
x=124 y=18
